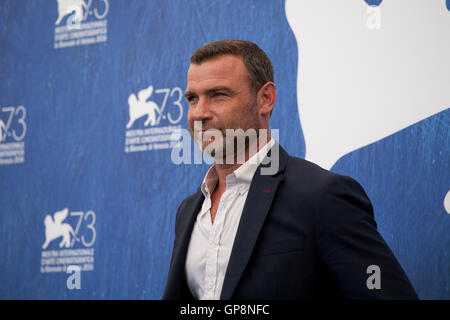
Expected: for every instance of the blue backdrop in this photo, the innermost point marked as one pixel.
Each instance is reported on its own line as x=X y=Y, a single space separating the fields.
x=66 y=91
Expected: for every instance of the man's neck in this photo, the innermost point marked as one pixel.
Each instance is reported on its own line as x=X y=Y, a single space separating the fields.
x=224 y=169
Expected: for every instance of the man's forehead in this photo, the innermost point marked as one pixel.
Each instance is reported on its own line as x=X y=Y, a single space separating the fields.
x=221 y=67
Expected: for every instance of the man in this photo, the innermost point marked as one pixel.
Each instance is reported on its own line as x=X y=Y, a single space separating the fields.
x=300 y=232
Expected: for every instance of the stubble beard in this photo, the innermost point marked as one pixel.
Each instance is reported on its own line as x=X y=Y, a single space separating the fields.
x=228 y=146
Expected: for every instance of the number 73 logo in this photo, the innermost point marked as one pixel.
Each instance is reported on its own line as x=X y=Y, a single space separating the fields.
x=89 y=219
x=14 y=116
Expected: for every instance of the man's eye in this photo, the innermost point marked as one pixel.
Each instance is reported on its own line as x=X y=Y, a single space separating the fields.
x=191 y=99
x=219 y=94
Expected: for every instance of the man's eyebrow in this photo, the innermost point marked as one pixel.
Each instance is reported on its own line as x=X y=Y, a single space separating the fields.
x=220 y=88
x=189 y=93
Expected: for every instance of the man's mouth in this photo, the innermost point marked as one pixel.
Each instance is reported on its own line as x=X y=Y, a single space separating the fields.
x=210 y=130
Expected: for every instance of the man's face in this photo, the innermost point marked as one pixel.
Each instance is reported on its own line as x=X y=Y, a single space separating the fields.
x=219 y=96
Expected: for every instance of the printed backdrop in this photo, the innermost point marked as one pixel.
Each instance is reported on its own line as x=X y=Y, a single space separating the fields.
x=91 y=108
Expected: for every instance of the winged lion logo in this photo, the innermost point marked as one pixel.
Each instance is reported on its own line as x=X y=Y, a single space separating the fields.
x=2 y=129
x=139 y=107
x=54 y=228
x=67 y=6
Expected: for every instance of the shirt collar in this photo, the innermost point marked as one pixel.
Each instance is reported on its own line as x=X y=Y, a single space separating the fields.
x=210 y=181
x=242 y=175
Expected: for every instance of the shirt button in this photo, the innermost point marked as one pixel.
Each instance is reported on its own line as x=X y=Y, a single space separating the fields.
x=210 y=285
x=213 y=245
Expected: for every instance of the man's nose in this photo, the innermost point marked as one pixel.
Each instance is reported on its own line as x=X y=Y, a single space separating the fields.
x=201 y=110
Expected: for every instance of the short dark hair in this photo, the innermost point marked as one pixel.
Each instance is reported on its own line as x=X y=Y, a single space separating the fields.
x=256 y=61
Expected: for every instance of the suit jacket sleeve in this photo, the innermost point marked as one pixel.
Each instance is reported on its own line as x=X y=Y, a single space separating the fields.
x=168 y=293
x=349 y=242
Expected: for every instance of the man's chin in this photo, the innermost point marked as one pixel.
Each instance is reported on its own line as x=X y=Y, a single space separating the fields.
x=211 y=150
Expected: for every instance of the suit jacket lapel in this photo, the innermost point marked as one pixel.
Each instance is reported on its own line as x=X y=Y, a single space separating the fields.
x=186 y=223
x=259 y=199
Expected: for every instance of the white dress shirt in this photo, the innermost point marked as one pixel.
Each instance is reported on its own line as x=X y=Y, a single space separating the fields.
x=211 y=243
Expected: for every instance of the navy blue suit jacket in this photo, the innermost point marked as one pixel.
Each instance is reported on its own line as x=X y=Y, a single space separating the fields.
x=304 y=233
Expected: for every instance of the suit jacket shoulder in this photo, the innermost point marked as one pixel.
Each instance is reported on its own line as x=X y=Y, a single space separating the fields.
x=185 y=208
x=345 y=232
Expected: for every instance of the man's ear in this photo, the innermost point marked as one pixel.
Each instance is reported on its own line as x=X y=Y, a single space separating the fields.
x=267 y=96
